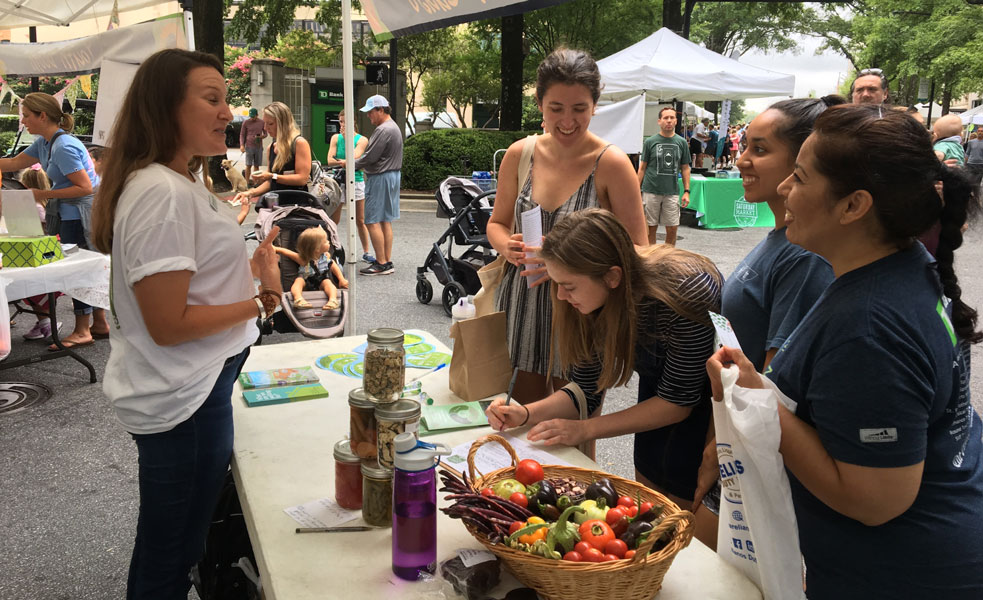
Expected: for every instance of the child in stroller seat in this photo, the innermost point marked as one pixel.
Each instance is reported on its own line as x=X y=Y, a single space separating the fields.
x=313 y=256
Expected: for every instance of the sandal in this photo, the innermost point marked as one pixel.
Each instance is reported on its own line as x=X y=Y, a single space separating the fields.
x=302 y=303
x=331 y=305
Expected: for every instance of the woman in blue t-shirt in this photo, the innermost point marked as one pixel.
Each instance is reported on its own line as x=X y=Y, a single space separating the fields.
x=777 y=283
x=73 y=178
x=884 y=448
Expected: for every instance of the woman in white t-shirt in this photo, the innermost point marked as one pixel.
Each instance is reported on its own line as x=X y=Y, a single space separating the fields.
x=184 y=307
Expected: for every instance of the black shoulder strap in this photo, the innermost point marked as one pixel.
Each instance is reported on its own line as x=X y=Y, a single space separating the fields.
x=51 y=147
x=317 y=271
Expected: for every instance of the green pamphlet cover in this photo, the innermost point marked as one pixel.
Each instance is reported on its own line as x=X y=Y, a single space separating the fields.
x=276 y=377
x=284 y=394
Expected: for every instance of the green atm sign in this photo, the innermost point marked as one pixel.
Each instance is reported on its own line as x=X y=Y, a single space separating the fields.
x=328 y=95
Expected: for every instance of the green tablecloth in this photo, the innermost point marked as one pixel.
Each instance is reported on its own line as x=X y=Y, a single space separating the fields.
x=719 y=204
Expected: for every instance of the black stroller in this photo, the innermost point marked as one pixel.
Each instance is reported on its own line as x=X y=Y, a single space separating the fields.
x=295 y=211
x=468 y=209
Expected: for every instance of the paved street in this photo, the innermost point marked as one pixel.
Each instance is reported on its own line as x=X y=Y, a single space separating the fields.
x=68 y=483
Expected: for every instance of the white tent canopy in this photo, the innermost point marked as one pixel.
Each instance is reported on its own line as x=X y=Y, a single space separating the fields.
x=973 y=116
x=29 y=13
x=667 y=67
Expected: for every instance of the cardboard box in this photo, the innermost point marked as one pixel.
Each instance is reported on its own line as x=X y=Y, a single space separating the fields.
x=30 y=251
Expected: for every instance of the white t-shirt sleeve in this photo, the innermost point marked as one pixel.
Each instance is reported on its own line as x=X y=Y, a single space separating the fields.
x=155 y=238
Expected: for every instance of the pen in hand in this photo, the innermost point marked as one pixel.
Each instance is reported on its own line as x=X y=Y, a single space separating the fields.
x=508 y=394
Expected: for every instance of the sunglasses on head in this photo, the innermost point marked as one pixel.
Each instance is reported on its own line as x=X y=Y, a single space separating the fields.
x=871 y=72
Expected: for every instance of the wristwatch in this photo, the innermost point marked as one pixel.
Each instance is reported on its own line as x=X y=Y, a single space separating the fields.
x=274 y=176
x=685 y=191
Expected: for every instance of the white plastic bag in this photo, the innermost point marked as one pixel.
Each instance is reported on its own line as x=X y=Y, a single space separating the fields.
x=757 y=531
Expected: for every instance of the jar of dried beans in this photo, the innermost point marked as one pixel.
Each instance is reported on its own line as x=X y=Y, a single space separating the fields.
x=347 y=477
x=377 y=494
x=362 y=426
x=385 y=365
x=392 y=420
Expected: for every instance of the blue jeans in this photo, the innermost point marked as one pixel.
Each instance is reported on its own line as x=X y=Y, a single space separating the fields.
x=72 y=232
x=181 y=474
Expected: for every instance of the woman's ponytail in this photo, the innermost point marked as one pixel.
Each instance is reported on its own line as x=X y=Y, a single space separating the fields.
x=959 y=205
x=67 y=122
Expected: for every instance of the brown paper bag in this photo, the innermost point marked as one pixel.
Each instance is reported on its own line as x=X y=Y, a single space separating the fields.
x=480 y=365
x=490 y=276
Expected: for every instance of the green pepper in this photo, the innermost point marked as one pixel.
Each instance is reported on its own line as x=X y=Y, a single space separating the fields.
x=564 y=502
x=565 y=533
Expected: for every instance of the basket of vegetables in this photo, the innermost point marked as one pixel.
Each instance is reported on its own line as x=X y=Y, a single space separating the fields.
x=563 y=530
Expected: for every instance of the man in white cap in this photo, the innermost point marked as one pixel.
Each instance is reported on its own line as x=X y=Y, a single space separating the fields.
x=381 y=161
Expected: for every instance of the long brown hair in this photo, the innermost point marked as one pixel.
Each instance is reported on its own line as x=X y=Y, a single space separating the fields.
x=286 y=131
x=889 y=154
x=146 y=131
x=590 y=242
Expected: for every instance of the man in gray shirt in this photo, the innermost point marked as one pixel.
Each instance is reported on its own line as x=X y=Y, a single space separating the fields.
x=382 y=161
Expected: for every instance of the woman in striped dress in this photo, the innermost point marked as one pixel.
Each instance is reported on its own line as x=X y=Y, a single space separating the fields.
x=618 y=310
x=570 y=169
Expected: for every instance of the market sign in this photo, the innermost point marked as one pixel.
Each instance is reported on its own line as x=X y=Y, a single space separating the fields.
x=403 y=17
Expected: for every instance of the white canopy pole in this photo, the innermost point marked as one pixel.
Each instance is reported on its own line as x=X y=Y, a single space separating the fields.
x=349 y=133
x=189 y=25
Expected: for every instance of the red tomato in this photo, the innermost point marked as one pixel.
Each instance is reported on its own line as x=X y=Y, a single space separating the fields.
x=633 y=512
x=644 y=508
x=520 y=499
x=608 y=557
x=487 y=492
x=528 y=471
x=516 y=526
x=573 y=556
x=617 y=518
x=582 y=548
x=616 y=547
x=594 y=555
x=630 y=554
x=626 y=501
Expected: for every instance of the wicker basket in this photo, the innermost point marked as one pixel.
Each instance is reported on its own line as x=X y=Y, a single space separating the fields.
x=637 y=578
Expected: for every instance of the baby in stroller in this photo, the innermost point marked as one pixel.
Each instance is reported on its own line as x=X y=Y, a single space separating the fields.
x=316 y=267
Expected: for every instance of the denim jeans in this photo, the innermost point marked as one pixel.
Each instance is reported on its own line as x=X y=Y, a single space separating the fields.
x=72 y=232
x=181 y=474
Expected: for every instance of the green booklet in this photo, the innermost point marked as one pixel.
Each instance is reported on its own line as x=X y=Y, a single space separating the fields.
x=438 y=417
x=284 y=394
x=276 y=377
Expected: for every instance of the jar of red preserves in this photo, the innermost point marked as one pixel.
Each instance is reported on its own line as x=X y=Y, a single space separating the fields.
x=347 y=477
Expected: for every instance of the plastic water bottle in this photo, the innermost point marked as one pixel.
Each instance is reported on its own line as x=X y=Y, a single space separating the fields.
x=415 y=506
x=462 y=310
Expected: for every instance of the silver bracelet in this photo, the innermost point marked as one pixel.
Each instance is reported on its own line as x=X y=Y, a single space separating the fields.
x=259 y=304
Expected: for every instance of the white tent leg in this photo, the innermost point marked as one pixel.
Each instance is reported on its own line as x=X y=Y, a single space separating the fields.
x=189 y=27
x=349 y=134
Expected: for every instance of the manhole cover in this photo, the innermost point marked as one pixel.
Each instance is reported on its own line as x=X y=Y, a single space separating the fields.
x=18 y=396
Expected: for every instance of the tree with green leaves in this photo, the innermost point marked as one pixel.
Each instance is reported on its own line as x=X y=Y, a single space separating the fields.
x=468 y=75
x=419 y=55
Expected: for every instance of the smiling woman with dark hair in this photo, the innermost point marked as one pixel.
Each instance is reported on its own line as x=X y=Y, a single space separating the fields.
x=884 y=449
x=184 y=307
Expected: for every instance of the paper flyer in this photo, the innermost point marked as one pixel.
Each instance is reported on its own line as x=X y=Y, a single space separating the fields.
x=453 y=416
x=723 y=332
x=321 y=513
x=492 y=457
x=532 y=235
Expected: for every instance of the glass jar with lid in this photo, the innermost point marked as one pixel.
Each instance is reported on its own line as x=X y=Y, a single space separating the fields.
x=347 y=477
x=362 y=428
x=392 y=420
x=385 y=365
x=377 y=494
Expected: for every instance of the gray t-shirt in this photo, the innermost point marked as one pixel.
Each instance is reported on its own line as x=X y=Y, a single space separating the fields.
x=663 y=157
x=770 y=292
x=974 y=152
x=385 y=150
